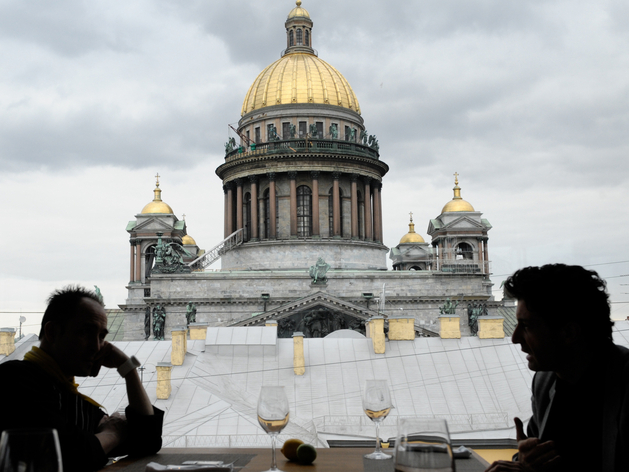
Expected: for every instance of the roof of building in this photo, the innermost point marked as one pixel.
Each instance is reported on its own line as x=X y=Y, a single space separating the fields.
x=157 y=205
x=298 y=11
x=457 y=203
x=411 y=236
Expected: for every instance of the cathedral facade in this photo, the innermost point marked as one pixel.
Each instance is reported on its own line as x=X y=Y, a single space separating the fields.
x=303 y=226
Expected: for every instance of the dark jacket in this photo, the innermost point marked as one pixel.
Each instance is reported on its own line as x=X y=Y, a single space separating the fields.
x=32 y=398
x=615 y=408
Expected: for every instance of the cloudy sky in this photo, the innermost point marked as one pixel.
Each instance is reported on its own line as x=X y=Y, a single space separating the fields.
x=527 y=101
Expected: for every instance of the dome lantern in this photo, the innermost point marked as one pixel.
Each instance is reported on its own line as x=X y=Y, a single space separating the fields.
x=457 y=203
x=157 y=205
x=298 y=31
x=411 y=236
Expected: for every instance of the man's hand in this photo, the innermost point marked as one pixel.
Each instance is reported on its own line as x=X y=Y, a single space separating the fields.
x=533 y=455
x=112 y=431
x=109 y=356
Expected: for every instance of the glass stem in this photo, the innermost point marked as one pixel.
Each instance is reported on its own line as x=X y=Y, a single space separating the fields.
x=377 y=437
x=273 y=463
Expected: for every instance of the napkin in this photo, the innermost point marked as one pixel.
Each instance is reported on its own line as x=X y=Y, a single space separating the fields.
x=199 y=466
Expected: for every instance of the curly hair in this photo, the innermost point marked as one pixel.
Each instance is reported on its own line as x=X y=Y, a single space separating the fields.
x=63 y=304
x=561 y=293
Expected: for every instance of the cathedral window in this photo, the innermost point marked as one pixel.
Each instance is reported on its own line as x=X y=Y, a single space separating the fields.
x=285 y=130
x=257 y=131
x=246 y=213
x=304 y=211
x=291 y=39
x=307 y=38
x=464 y=251
x=319 y=129
x=299 y=37
x=303 y=129
x=149 y=260
x=361 y=211
x=347 y=133
x=267 y=215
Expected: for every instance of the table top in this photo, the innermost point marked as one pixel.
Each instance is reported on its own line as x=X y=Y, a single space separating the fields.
x=328 y=459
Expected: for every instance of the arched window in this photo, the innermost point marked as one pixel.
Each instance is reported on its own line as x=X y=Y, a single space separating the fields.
x=246 y=213
x=299 y=37
x=291 y=40
x=304 y=211
x=149 y=260
x=464 y=251
x=415 y=268
x=331 y=209
x=307 y=38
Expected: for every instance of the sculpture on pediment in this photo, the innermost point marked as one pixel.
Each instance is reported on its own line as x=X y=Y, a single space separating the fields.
x=169 y=257
x=318 y=272
x=159 y=320
x=191 y=313
x=286 y=328
x=358 y=326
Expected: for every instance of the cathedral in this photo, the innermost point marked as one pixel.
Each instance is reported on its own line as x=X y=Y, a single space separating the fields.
x=303 y=228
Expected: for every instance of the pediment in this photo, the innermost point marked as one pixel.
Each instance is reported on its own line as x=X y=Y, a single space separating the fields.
x=463 y=222
x=315 y=315
x=151 y=225
x=415 y=251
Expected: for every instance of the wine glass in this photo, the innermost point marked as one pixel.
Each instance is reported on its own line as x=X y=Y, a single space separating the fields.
x=273 y=415
x=377 y=405
x=30 y=449
x=423 y=445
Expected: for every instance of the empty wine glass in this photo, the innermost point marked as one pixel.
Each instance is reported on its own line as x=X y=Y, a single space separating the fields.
x=377 y=405
x=423 y=445
x=273 y=415
x=30 y=450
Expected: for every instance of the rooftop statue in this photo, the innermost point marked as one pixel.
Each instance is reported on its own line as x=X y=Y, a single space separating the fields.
x=364 y=136
x=230 y=145
x=449 y=307
x=334 y=132
x=313 y=131
x=169 y=258
x=98 y=294
x=191 y=313
x=293 y=131
x=318 y=272
x=159 y=320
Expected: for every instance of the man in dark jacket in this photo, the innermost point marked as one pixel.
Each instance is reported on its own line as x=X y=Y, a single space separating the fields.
x=40 y=390
x=580 y=389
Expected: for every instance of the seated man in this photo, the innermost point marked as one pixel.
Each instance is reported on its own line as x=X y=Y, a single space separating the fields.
x=40 y=390
x=581 y=385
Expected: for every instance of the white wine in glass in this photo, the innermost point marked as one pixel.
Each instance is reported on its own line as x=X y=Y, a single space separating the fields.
x=377 y=405
x=273 y=415
x=30 y=449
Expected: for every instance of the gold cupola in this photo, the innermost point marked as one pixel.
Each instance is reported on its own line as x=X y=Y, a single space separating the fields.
x=157 y=205
x=299 y=76
x=457 y=203
x=411 y=236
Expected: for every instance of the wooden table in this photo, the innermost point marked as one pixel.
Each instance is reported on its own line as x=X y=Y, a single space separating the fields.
x=332 y=459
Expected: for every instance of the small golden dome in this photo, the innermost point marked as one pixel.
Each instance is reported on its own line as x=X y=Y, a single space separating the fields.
x=300 y=77
x=298 y=11
x=411 y=236
x=157 y=205
x=187 y=240
x=457 y=203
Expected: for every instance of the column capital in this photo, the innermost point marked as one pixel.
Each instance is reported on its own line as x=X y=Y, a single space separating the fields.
x=315 y=175
x=377 y=184
x=354 y=177
x=253 y=179
x=238 y=182
x=292 y=175
x=133 y=242
x=271 y=176
x=228 y=186
x=367 y=180
x=336 y=175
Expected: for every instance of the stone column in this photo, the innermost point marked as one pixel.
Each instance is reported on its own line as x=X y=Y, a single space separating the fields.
x=238 y=204
x=131 y=261
x=368 y=226
x=380 y=220
x=293 y=204
x=316 y=232
x=138 y=261
x=355 y=233
x=272 y=199
x=226 y=212
x=336 y=204
x=254 y=207
x=230 y=209
x=486 y=256
x=377 y=214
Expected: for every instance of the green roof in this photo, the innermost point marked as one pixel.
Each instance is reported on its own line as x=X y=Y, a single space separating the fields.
x=508 y=313
x=131 y=225
x=115 y=325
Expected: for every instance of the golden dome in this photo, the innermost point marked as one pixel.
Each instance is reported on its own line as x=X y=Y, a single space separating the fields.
x=298 y=11
x=299 y=77
x=411 y=236
x=157 y=205
x=187 y=240
x=457 y=203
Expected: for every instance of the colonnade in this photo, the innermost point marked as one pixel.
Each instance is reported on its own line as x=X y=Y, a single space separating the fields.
x=135 y=259
x=372 y=221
